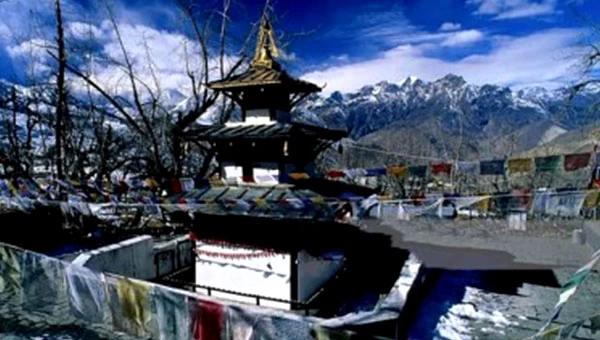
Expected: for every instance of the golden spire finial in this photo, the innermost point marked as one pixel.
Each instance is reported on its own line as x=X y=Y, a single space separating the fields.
x=266 y=49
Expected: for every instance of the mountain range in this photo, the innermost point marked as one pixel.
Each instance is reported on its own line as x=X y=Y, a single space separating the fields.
x=452 y=119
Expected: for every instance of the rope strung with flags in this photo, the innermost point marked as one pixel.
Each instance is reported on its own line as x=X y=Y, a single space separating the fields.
x=569 y=330
x=566 y=292
x=496 y=167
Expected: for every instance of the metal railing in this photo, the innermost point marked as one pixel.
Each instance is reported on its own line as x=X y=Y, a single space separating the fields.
x=295 y=305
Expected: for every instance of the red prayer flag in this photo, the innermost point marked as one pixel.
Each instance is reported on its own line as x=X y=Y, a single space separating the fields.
x=576 y=161
x=175 y=186
x=248 y=179
x=207 y=320
x=335 y=174
x=441 y=168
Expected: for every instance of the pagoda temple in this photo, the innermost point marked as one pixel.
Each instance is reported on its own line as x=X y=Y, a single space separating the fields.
x=266 y=136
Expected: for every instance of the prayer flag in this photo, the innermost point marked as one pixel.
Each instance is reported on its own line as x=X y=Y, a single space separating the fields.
x=354 y=173
x=467 y=167
x=417 y=171
x=86 y=293
x=493 y=167
x=520 y=165
x=207 y=320
x=175 y=186
x=10 y=272
x=172 y=316
x=187 y=184
x=591 y=200
x=576 y=161
x=397 y=170
x=43 y=283
x=441 y=168
x=570 y=287
x=376 y=172
x=298 y=175
x=335 y=174
x=130 y=306
x=546 y=164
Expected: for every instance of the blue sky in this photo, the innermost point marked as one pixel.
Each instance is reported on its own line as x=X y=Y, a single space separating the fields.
x=344 y=44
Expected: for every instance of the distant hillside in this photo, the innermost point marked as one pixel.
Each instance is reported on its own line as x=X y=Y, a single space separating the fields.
x=449 y=118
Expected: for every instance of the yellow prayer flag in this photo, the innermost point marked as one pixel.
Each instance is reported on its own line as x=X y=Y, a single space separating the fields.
x=151 y=183
x=591 y=200
x=298 y=175
x=397 y=170
x=133 y=297
x=483 y=205
x=520 y=165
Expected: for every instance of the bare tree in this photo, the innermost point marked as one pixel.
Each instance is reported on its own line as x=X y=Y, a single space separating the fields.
x=590 y=62
x=61 y=107
x=147 y=118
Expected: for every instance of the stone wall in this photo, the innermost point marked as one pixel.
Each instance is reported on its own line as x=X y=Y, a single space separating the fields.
x=132 y=258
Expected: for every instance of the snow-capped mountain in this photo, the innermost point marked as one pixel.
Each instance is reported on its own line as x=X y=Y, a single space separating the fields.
x=450 y=116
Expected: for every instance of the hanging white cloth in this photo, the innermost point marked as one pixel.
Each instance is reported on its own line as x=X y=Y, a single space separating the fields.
x=172 y=315
x=187 y=184
x=44 y=285
x=87 y=296
x=570 y=204
x=466 y=201
x=428 y=207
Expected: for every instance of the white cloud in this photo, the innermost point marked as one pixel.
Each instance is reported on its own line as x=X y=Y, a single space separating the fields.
x=155 y=54
x=150 y=51
x=450 y=26
x=463 y=38
x=512 y=9
x=543 y=58
x=82 y=30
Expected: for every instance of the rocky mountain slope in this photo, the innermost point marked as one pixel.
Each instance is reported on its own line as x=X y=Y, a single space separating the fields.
x=450 y=118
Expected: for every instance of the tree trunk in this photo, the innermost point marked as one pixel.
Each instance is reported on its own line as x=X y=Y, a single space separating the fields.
x=61 y=94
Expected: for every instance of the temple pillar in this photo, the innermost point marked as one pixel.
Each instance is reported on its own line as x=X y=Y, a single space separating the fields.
x=247 y=173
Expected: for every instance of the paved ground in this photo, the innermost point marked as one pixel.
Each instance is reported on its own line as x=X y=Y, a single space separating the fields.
x=486 y=244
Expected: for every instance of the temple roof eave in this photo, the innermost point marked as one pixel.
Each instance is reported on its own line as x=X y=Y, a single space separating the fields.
x=271 y=131
x=258 y=78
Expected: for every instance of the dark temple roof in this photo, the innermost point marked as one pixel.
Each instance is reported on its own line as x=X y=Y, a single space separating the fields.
x=263 y=76
x=262 y=131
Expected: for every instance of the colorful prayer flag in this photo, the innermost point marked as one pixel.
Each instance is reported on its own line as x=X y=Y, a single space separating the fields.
x=520 y=165
x=131 y=310
x=547 y=164
x=298 y=175
x=397 y=170
x=441 y=168
x=207 y=320
x=466 y=167
x=376 y=172
x=417 y=171
x=591 y=200
x=335 y=174
x=570 y=287
x=493 y=167
x=576 y=161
